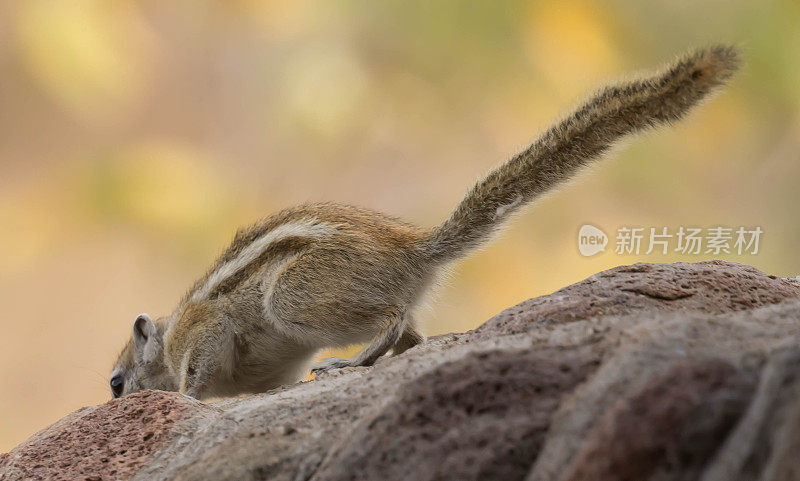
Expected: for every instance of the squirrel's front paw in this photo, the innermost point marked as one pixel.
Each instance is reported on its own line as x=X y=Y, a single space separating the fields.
x=330 y=364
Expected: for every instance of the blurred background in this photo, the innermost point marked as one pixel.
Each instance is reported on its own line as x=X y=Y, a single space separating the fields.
x=135 y=137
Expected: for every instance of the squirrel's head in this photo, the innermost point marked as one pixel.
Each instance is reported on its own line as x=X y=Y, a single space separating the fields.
x=140 y=365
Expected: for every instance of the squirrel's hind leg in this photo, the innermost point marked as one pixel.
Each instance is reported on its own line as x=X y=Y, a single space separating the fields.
x=394 y=325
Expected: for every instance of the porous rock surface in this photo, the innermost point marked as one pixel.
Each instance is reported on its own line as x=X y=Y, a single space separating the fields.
x=645 y=372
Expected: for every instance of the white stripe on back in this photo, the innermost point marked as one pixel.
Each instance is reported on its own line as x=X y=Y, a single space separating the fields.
x=305 y=228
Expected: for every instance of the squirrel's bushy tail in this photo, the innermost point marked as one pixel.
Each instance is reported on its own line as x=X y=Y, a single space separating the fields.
x=579 y=139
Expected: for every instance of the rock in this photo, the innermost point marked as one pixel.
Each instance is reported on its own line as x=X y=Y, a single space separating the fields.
x=766 y=440
x=499 y=402
x=112 y=440
x=712 y=286
x=651 y=371
x=654 y=427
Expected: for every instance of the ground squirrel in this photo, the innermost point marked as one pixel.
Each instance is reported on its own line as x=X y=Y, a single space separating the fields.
x=329 y=275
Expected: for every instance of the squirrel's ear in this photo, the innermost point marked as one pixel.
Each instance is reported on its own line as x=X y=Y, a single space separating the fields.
x=143 y=328
x=145 y=338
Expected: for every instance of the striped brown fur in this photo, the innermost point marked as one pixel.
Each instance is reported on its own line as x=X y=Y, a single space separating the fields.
x=327 y=275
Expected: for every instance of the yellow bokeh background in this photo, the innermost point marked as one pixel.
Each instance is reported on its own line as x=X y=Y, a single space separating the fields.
x=136 y=136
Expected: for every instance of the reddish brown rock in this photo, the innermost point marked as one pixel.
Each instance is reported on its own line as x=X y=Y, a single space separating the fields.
x=647 y=429
x=109 y=441
x=481 y=417
x=764 y=444
x=710 y=286
x=660 y=372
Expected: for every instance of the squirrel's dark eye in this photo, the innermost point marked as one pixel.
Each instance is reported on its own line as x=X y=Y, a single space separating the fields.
x=116 y=385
